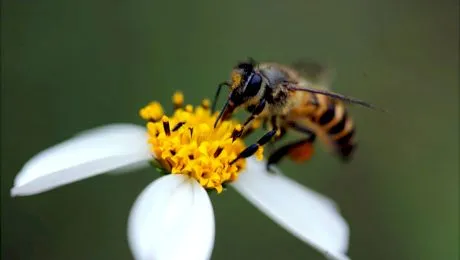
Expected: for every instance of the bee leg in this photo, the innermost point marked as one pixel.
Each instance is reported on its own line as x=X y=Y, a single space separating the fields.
x=256 y=111
x=270 y=145
x=287 y=149
x=252 y=149
x=300 y=128
x=252 y=128
x=216 y=96
x=299 y=151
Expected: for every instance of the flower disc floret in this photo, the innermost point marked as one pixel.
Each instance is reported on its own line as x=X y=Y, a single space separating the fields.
x=187 y=143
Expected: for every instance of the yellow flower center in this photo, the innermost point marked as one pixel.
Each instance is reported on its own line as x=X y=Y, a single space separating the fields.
x=187 y=143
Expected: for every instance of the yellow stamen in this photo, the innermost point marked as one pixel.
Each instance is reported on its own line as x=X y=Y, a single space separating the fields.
x=238 y=127
x=260 y=153
x=187 y=143
x=178 y=100
x=189 y=108
x=152 y=112
x=205 y=103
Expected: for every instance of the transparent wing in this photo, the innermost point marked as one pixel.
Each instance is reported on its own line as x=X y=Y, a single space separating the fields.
x=318 y=78
x=318 y=74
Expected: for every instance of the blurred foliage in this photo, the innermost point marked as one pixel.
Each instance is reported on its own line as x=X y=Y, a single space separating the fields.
x=73 y=65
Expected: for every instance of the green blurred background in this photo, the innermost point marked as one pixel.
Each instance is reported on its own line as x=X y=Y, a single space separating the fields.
x=72 y=65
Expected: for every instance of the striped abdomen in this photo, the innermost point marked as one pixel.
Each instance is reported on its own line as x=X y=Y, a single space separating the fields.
x=331 y=116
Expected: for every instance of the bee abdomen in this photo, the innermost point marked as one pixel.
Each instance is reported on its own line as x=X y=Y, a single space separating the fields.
x=344 y=141
x=334 y=120
x=327 y=116
x=338 y=127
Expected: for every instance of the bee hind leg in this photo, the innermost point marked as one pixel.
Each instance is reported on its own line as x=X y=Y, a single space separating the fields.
x=293 y=149
x=299 y=151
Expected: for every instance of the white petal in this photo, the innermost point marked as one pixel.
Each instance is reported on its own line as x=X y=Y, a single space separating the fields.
x=88 y=154
x=172 y=219
x=308 y=215
x=131 y=167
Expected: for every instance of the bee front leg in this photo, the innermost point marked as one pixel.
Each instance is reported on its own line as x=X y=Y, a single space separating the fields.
x=255 y=112
x=216 y=96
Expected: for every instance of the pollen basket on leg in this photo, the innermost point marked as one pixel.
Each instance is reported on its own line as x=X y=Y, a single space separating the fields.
x=187 y=143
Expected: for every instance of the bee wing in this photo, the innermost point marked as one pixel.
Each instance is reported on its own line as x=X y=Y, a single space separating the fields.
x=317 y=78
x=317 y=74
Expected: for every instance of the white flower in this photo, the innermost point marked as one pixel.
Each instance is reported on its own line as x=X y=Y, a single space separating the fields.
x=173 y=217
x=166 y=213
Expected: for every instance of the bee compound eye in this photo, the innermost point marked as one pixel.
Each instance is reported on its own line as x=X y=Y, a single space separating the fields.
x=253 y=86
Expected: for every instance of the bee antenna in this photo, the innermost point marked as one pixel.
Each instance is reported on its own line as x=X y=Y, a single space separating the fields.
x=216 y=96
x=252 y=61
x=338 y=96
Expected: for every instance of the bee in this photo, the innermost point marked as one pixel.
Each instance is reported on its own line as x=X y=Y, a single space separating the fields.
x=293 y=97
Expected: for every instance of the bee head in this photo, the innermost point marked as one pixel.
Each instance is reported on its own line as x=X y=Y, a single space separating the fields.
x=245 y=79
x=246 y=82
x=240 y=74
